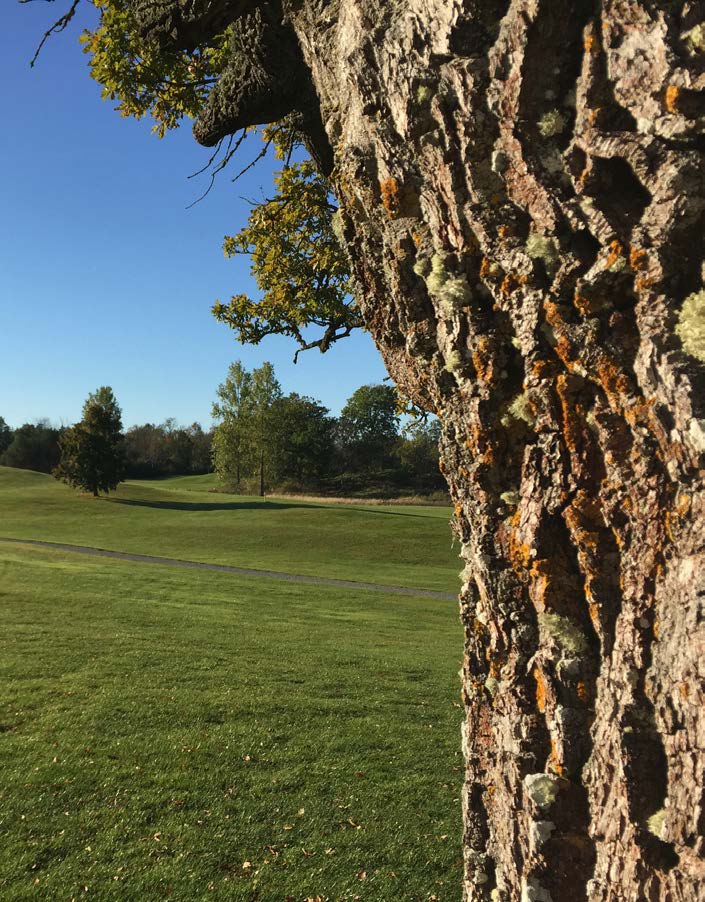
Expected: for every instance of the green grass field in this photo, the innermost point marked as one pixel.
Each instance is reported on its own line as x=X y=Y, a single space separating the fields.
x=177 y=734
x=405 y=546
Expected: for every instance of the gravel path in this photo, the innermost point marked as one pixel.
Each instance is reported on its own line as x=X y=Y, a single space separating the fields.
x=243 y=571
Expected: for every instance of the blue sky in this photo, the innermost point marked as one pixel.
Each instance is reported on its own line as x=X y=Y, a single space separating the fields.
x=105 y=277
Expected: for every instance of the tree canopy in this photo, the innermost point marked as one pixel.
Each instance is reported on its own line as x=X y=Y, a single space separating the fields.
x=297 y=261
x=92 y=453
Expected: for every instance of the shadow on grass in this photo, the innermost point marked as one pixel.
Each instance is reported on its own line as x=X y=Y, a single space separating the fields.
x=207 y=506
x=256 y=505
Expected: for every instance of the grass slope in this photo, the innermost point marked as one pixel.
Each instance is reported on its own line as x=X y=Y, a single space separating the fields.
x=171 y=734
x=171 y=517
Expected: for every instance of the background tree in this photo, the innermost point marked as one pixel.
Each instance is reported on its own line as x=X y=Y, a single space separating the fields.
x=368 y=427
x=167 y=450
x=34 y=446
x=303 y=434
x=266 y=393
x=232 y=436
x=92 y=452
x=5 y=436
x=418 y=457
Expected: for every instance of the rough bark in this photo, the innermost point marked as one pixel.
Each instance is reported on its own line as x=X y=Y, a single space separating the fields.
x=522 y=189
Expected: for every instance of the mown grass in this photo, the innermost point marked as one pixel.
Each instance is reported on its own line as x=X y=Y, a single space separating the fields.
x=175 y=734
x=406 y=546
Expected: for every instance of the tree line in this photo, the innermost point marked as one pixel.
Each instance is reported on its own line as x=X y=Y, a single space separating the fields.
x=262 y=440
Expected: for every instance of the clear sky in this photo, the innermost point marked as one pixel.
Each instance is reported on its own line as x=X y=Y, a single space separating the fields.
x=105 y=277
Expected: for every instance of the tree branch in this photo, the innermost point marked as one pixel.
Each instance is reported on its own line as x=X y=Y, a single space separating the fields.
x=56 y=28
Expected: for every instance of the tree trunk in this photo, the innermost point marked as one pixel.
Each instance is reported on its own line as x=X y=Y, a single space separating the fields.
x=522 y=190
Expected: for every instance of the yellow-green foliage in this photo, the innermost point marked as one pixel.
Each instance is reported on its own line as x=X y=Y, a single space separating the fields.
x=564 y=632
x=552 y=123
x=691 y=325
x=296 y=260
x=144 y=78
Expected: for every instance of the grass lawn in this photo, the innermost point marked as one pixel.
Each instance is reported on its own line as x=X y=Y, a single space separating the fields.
x=176 y=734
x=406 y=546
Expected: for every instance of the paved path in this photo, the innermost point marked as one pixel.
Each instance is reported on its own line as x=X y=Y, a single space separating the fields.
x=243 y=571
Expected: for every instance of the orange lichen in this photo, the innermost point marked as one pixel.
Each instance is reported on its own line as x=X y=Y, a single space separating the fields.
x=572 y=425
x=391 y=196
x=644 y=282
x=486 y=267
x=638 y=258
x=540 y=574
x=671 y=98
x=588 y=305
x=542 y=369
x=683 y=503
x=540 y=690
x=614 y=381
x=555 y=763
x=458 y=508
x=505 y=231
x=483 y=360
x=591 y=44
x=615 y=254
x=594 y=612
x=511 y=282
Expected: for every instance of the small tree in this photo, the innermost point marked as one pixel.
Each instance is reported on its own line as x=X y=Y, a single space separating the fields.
x=231 y=450
x=5 y=436
x=368 y=428
x=92 y=452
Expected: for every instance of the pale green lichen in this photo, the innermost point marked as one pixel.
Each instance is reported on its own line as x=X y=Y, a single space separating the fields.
x=618 y=265
x=542 y=789
x=552 y=123
x=564 y=632
x=422 y=267
x=519 y=409
x=695 y=39
x=454 y=295
x=454 y=360
x=451 y=292
x=691 y=325
x=656 y=823
x=491 y=685
x=540 y=831
x=338 y=227
x=438 y=275
x=511 y=499
x=539 y=247
x=424 y=94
